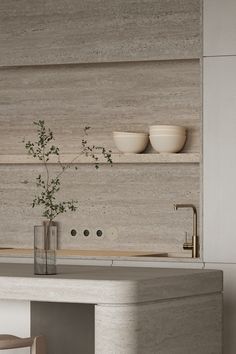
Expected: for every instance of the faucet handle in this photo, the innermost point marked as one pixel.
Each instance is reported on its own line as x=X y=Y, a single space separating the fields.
x=187 y=245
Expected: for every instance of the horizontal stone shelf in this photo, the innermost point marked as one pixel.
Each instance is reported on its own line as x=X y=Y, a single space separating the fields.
x=116 y=158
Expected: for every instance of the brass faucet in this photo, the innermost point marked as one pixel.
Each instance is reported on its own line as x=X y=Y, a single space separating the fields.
x=194 y=245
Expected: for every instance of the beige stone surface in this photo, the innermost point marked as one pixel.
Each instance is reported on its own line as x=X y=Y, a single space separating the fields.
x=137 y=310
x=116 y=158
x=106 y=97
x=181 y=326
x=75 y=31
x=88 y=284
x=133 y=206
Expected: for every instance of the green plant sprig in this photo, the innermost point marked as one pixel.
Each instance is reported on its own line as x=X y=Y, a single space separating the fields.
x=91 y=151
x=49 y=186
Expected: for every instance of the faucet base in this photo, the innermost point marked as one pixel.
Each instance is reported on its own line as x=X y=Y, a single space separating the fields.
x=194 y=246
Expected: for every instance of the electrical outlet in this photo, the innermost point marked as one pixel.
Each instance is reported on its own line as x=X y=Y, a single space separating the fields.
x=86 y=232
x=111 y=233
x=73 y=232
x=99 y=233
x=96 y=233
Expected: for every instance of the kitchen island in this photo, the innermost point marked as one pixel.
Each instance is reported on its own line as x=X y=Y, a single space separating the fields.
x=106 y=310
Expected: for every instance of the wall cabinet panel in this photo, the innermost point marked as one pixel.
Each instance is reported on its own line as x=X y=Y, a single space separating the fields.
x=219 y=27
x=78 y=31
x=219 y=159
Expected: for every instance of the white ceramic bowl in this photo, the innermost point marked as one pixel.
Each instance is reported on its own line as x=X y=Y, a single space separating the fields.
x=128 y=133
x=167 y=132
x=168 y=129
x=168 y=143
x=130 y=143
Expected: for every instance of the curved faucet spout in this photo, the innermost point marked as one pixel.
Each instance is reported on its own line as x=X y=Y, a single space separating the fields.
x=194 y=245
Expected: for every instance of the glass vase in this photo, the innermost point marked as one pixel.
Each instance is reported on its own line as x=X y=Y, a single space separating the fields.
x=45 y=245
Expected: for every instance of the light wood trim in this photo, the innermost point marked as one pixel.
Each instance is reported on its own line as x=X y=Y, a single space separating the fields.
x=85 y=253
x=37 y=344
x=109 y=253
x=116 y=158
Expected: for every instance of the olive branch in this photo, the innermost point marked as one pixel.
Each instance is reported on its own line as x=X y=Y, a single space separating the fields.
x=49 y=185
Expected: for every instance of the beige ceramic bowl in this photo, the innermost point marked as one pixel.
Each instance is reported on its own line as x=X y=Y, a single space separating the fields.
x=168 y=143
x=130 y=143
x=167 y=129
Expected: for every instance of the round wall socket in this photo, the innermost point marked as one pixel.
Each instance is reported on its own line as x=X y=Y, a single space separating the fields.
x=99 y=233
x=73 y=232
x=86 y=233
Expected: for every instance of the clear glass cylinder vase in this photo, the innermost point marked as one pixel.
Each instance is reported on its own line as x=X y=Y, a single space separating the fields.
x=45 y=246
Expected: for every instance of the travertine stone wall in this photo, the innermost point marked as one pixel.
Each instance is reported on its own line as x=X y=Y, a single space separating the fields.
x=131 y=204
x=78 y=31
x=112 y=65
x=107 y=97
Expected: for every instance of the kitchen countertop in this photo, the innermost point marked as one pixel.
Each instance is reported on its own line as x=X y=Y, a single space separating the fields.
x=104 y=285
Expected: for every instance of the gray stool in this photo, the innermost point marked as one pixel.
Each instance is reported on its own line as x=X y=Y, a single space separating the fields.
x=37 y=344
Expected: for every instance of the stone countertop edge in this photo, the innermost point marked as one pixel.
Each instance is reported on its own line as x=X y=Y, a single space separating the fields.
x=106 y=285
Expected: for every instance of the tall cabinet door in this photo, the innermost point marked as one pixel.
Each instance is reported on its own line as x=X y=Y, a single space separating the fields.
x=219 y=27
x=15 y=320
x=219 y=152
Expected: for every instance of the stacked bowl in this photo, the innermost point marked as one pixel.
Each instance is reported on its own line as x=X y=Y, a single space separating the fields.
x=167 y=138
x=130 y=143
